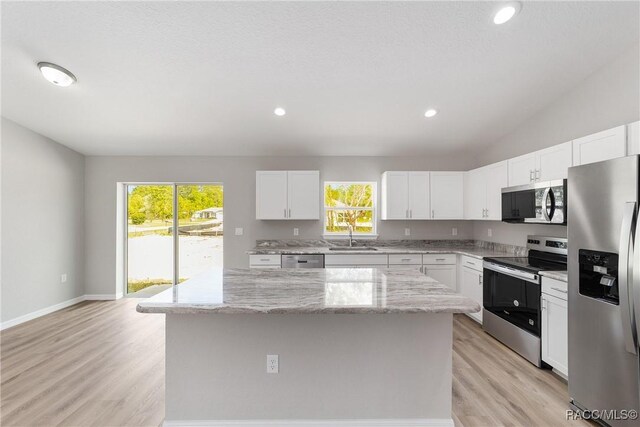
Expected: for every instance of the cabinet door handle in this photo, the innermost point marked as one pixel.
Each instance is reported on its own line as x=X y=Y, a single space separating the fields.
x=406 y=214
x=410 y=213
x=538 y=173
x=559 y=290
x=480 y=280
x=433 y=213
x=531 y=176
x=487 y=213
x=285 y=212
x=289 y=212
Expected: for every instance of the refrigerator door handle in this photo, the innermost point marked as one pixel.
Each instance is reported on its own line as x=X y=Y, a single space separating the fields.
x=635 y=281
x=626 y=297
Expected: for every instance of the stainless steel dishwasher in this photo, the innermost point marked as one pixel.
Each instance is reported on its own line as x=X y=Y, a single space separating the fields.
x=302 y=261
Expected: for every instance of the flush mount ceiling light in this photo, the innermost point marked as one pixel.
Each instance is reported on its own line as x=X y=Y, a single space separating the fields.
x=279 y=112
x=56 y=74
x=430 y=113
x=506 y=12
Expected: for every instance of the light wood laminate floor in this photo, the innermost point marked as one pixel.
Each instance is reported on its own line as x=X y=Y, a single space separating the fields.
x=102 y=364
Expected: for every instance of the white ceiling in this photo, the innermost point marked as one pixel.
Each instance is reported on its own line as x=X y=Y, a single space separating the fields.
x=186 y=78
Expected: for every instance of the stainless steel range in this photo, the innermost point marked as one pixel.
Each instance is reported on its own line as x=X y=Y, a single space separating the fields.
x=512 y=291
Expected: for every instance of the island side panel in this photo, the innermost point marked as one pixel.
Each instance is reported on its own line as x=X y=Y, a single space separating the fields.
x=332 y=366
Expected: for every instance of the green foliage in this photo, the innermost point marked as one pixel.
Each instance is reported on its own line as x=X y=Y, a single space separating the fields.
x=155 y=202
x=137 y=218
x=138 y=285
x=343 y=201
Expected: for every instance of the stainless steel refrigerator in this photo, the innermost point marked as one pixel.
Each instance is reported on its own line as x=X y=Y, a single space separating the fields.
x=604 y=287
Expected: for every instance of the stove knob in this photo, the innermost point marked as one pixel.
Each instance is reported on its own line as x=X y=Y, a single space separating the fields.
x=516 y=303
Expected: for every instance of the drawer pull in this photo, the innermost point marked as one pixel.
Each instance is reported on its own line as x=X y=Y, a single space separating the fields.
x=406 y=259
x=441 y=259
x=559 y=290
x=471 y=263
x=264 y=259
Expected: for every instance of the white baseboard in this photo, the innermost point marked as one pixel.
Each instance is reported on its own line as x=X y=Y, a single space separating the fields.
x=426 y=422
x=41 y=312
x=47 y=310
x=102 y=297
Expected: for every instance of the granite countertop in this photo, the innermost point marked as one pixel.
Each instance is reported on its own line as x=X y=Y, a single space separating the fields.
x=472 y=251
x=332 y=290
x=558 y=275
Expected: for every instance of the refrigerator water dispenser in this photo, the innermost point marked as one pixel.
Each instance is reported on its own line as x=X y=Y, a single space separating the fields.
x=599 y=275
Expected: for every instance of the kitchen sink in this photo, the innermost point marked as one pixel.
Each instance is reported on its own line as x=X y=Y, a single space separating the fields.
x=352 y=248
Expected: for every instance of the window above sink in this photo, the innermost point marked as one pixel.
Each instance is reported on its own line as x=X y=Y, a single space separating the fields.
x=350 y=204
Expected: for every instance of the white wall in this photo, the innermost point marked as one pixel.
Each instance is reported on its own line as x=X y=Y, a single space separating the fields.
x=42 y=222
x=609 y=97
x=238 y=176
x=514 y=234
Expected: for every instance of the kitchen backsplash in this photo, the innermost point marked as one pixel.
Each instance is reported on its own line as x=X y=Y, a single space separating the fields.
x=293 y=243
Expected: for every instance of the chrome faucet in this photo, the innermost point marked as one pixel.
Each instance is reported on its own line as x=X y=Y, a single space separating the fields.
x=350 y=235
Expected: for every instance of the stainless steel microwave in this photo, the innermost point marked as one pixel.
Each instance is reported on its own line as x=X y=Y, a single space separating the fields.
x=542 y=203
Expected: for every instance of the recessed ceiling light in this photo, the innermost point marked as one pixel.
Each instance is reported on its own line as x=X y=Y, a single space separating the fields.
x=56 y=74
x=279 y=112
x=506 y=12
x=430 y=113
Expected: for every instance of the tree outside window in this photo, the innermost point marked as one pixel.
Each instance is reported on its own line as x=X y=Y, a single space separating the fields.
x=349 y=204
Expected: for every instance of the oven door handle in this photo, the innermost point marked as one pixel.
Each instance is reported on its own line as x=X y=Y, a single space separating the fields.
x=529 y=277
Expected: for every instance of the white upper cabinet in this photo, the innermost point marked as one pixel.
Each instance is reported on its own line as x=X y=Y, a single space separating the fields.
x=419 y=197
x=475 y=193
x=395 y=195
x=496 y=179
x=554 y=162
x=605 y=145
x=545 y=165
x=447 y=195
x=287 y=195
x=633 y=138
x=303 y=194
x=483 y=191
x=271 y=194
x=522 y=169
x=405 y=195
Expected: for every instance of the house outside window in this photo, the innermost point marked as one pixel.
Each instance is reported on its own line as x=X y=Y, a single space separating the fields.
x=350 y=205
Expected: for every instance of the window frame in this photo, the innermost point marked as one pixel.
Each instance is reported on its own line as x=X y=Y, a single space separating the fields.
x=373 y=209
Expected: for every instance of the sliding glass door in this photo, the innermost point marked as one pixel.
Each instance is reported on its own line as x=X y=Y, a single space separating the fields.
x=201 y=230
x=154 y=251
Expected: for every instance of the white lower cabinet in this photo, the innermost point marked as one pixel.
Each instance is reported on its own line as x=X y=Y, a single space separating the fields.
x=555 y=333
x=264 y=261
x=471 y=282
x=445 y=274
x=356 y=260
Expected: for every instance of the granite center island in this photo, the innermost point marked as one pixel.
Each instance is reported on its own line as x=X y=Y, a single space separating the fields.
x=355 y=347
